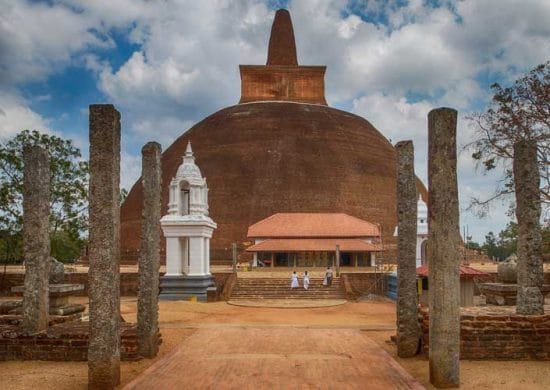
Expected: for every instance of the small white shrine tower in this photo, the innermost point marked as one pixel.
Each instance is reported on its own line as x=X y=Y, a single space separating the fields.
x=421 y=231
x=188 y=229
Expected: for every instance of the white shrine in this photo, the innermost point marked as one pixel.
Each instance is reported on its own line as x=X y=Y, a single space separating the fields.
x=188 y=229
x=421 y=231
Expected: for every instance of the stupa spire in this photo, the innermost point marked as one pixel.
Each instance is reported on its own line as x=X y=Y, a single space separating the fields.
x=188 y=158
x=282 y=46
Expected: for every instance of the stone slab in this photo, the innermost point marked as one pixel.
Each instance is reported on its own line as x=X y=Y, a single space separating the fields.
x=56 y=289
x=290 y=358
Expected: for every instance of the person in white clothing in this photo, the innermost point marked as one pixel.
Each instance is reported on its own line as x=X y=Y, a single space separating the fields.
x=306 y=280
x=294 y=281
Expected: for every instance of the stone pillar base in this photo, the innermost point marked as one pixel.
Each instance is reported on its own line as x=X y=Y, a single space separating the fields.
x=177 y=288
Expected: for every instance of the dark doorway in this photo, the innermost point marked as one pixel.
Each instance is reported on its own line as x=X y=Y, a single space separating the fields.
x=281 y=259
x=345 y=259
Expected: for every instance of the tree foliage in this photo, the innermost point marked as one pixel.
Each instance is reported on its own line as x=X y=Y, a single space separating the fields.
x=521 y=111
x=68 y=196
x=506 y=243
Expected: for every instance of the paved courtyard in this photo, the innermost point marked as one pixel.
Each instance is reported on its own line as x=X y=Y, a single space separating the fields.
x=282 y=358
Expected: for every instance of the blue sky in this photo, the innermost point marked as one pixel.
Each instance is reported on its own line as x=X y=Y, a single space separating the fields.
x=168 y=64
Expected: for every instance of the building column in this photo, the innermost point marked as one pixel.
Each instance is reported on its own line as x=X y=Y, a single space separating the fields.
x=255 y=259
x=196 y=253
x=206 y=261
x=272 y=259
x=356 y=255
x=174 y=264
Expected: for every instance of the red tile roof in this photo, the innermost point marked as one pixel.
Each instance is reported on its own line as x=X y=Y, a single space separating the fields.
x=465 y=272
x=312 y=225
x=314 y=245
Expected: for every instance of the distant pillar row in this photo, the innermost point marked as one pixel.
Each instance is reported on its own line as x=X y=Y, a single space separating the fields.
x=443 y=254
x=530 y=299
x=36 y=237
x=104 y=250
x=407 y=300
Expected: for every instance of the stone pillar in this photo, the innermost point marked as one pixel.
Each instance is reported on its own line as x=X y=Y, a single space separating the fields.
x=530 y=299
x=149 y=255
x=337 y=260
x=444 y=257
x=104 y=251
x=234 y=253
x=407 y=299
x=36 y=237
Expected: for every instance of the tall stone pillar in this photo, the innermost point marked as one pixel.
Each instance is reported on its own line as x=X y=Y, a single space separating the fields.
x=530 y=299
x=443 y=253
x=407 y=299
x=104 y=251
x=149 y=255
x=36 y=237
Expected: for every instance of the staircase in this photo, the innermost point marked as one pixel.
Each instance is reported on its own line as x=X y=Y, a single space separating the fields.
x=279 y=288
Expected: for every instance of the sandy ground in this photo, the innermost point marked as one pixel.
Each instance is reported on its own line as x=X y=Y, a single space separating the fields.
x=178 y=320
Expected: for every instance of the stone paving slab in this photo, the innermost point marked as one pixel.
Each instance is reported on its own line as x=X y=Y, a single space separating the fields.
x=291 y=358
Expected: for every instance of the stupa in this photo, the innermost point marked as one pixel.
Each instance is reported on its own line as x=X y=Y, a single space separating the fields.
x=282 y=149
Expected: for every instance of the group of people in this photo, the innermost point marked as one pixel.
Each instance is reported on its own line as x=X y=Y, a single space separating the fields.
x=295 y=283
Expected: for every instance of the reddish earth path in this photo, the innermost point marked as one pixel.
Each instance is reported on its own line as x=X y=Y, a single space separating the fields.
x=282 y=358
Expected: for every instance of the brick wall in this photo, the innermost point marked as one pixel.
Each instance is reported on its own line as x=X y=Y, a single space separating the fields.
x=498 y=334
x=67 y=341
x=128 y=282
x=365 y=283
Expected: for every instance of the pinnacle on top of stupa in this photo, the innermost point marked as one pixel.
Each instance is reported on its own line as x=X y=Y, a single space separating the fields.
x=282 y=45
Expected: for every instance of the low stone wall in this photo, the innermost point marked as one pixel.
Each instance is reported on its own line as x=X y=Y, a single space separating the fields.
x=227 y=286
x=66 y=341
x=365 y=283
x=492 y=333
x=128 y=282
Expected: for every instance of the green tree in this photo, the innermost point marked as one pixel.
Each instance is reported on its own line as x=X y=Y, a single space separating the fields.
x=69 y=195
x=521 y=111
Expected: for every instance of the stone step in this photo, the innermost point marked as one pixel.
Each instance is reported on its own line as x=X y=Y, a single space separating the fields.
x=279 y=288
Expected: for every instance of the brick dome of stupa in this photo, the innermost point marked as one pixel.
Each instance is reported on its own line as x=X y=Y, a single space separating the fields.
x=280 y=150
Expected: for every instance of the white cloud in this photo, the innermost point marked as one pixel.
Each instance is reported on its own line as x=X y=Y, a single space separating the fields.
x=37 y=39
x=15 y=116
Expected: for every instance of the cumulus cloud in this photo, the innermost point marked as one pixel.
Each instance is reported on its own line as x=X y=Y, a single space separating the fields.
x=38 y=39
x=15 y=116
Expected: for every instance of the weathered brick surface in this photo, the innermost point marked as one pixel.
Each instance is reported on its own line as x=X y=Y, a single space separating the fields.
x=252 y=153
x=366 y=283
x=500 y=335
x=62 y=341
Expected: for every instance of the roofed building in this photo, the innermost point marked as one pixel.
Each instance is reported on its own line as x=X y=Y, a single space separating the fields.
x=310 y=240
